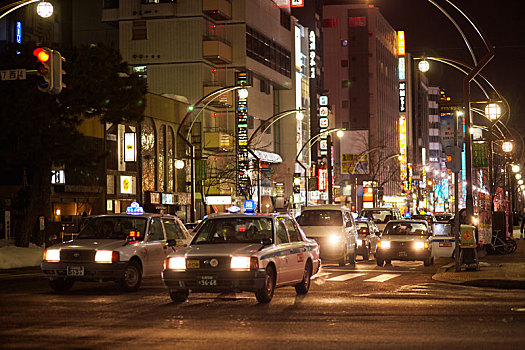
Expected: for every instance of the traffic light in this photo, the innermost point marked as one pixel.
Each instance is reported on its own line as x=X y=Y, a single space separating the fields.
x=50 y=70
x=45 y=69
x=453 y=158
x=58 y=72
x=296 y=183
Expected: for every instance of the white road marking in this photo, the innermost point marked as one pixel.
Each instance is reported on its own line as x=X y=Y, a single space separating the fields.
x=382 y=278
x=345 y=277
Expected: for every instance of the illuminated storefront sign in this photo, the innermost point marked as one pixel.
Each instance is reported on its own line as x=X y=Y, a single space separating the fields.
x=401 y=68
x=58 y=177
x=311 y=53
x=402 y=96
x=241 y=114
x=297 y=3
x=401 y=43
x=126 y=184
x=403 y=147
x=130 y=152
x=18 y=32
x=322 y=179
x=323 y=124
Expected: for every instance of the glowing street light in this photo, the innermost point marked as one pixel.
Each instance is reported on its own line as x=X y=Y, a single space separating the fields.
x=493 y=111
x=44 y=9
x=506 y=146
x=423 y=66
x=516 y=168
x=518 y=176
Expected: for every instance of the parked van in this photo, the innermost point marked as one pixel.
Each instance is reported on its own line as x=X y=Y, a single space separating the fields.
x=334 y=229
x=381 y=216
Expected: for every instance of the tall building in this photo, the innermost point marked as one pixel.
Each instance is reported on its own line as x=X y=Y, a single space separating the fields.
x=360 y=76
x=191 y=48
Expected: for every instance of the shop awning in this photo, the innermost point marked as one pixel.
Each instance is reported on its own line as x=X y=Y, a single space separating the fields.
x=268 y=157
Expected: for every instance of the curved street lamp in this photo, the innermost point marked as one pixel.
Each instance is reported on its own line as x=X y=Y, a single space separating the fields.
x=212 y=96
x=44 y=8
x=262 y=129
x=309 y=143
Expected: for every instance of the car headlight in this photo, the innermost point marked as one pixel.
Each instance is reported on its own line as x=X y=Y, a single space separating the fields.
x=421 y=245
x=240 y=263
x=359 y=241
x=383 y=244
x=106 y=256
x=335 y=239
x=176 y=263
x=52 y=255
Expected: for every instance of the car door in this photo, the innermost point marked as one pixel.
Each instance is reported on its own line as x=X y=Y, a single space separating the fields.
x=442 y=240
x=175 y=230
x=298 y=256
x=284 y=253
x=350 y=229
x=153 y=247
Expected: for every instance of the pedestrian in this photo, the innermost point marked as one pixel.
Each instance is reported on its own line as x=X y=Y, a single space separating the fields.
x=522 y=217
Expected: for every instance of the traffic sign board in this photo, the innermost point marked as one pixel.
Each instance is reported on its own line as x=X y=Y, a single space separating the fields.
x=13 y=74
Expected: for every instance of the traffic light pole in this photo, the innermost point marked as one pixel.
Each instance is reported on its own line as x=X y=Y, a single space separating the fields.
x=457 y=259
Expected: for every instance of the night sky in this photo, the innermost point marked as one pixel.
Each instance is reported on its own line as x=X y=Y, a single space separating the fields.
x=428 y=32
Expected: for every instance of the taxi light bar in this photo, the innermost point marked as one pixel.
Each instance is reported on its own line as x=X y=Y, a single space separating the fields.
x=106 y=256
x=175 y=263
x=52 y=255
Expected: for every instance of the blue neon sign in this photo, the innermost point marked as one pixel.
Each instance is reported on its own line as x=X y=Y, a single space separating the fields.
x=18 y=32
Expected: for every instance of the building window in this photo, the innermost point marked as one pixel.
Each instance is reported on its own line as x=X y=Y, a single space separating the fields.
x=266 y=51
x=285 y=19
x=357 y=21
x=345 y=84
x=330 y=22
x=265 y=86
x=142 y=71
x=344 y=63
x=345 y=104
x=110 y=4
x=139 y=30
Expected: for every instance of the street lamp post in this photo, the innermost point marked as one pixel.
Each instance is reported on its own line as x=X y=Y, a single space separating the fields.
x=44 y=8
x=310 y=142
x=507 y=147
x=212 y=96
x=493 y=113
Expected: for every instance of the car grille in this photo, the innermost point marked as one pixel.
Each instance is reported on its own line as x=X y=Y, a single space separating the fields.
x=77 y=255
x=204 y=263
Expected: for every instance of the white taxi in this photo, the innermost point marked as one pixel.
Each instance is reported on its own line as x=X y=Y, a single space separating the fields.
x=243 y=252
x=121 y=247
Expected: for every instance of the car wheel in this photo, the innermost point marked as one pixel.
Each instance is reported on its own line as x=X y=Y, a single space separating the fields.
x=265 y=294
x=366 y=255
x=388 y=262
x=304 y=285
x=429 y=261
x=132 y=277
x=179 y=296
x=61 y=284
x=344 y=258
x=380 y=262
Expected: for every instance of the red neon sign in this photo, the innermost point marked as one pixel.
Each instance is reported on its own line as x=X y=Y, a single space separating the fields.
x=322 y=179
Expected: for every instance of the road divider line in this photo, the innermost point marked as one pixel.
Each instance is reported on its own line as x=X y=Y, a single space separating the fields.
x=382 y=278
x=345 y=277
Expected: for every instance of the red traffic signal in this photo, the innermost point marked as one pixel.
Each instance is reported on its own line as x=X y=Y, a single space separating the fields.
x=42 y=55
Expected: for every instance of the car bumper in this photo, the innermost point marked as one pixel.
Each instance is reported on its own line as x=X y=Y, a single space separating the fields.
x=362 y=249
x=214 y=281
x=91 y=271
x=331 y=252
x=405 y=254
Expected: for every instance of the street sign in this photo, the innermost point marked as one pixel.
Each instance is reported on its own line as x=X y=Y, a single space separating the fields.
x=13 y=74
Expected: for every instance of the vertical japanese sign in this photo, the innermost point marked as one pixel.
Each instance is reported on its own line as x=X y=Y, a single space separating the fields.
x=311 y=52
x=322 y=179
x=403 y=150
x=323 y=124
x=241 y=123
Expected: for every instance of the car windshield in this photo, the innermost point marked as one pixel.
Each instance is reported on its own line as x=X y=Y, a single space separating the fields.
x=320 y=218
x=443 y=217
x=234 y=230
x=405 y=228
x=380 y=216
x=113 y=227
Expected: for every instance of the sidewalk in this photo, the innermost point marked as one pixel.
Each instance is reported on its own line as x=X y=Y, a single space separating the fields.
x=496 y=271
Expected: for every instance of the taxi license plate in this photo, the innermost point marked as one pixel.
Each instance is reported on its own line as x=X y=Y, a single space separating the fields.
x=445 y=244
x=75 y=270
x=193 y=264
x=207 y=281
x=402 y=253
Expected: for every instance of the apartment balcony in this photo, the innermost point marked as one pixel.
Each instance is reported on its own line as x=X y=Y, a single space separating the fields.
x=219 y=10
x=224 y=100
x=216 y=50
x=218 y=141
x=158 y=10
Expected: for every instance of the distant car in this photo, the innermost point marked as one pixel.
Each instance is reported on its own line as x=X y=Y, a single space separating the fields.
x=406 y=240
x=444 y=217
x=428 y=217
x=122 y=247
x=367 y=237
x=381 y=216
x=243 y=252
x=333 y=227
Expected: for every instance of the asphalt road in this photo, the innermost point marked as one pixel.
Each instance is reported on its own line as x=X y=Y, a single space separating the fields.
x=393 y=307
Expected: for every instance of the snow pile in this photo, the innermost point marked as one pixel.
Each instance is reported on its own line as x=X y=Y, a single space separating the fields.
x=13 y=257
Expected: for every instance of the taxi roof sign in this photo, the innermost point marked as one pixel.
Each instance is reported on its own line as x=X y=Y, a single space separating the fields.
x=134 y=209
x=250 y=206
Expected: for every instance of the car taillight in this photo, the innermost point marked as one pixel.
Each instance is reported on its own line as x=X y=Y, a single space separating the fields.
x=254 y=263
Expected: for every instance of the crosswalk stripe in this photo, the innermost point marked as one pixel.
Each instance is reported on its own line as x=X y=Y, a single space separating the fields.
x=382 y=278
x=345 y=277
